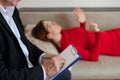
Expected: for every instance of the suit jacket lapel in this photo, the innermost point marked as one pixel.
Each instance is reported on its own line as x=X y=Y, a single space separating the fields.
x=17 y=24
x=3 y=21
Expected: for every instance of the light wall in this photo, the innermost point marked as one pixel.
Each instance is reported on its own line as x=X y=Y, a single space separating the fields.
x=68 y=3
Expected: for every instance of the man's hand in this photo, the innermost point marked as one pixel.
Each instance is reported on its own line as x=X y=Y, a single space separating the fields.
x=52 y=64
x=80 y=15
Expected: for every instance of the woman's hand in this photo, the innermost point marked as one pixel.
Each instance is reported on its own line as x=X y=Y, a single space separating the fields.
x=94 y=27
x=80 y=15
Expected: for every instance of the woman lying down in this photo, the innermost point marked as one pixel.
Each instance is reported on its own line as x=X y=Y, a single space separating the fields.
x=90 y=44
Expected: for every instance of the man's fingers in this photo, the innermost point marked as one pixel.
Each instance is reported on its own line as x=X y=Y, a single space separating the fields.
x=59 y=61
x=54 y=65
x=50 y=68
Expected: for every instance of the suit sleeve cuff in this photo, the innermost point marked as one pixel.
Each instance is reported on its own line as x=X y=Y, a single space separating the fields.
x=40 y=63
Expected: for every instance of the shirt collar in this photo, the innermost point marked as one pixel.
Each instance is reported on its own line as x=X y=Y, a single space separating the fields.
x=9 y=10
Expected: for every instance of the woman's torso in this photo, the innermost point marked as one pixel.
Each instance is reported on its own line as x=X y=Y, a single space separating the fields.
x=85 y=39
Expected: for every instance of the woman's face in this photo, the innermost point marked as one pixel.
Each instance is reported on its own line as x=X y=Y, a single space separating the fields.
x=52 y=27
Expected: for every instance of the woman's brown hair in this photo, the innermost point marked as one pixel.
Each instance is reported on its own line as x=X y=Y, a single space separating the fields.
x=40 y=32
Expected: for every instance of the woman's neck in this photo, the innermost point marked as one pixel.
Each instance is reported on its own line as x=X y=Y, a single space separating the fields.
x=56 y=39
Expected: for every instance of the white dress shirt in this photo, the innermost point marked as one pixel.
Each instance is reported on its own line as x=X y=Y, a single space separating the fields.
x=7 y=14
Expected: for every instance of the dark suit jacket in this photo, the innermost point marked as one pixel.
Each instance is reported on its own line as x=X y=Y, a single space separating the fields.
x=13 y=64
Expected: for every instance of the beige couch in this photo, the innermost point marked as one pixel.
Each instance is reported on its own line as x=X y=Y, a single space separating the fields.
x=108 y=67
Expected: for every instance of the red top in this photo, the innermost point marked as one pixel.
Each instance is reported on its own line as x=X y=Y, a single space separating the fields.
x=89 y=44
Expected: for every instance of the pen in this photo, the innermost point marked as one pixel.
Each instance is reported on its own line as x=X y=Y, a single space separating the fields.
x=46 y=57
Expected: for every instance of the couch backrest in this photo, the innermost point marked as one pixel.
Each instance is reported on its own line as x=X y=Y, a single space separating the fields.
x=106 y=18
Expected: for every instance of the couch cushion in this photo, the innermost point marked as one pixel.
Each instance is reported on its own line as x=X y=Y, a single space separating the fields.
x=108 y=67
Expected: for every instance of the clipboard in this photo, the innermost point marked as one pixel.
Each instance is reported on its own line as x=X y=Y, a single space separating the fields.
x=71 y=56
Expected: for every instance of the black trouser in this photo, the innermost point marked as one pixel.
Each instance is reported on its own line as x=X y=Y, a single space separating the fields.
x=65 y=76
